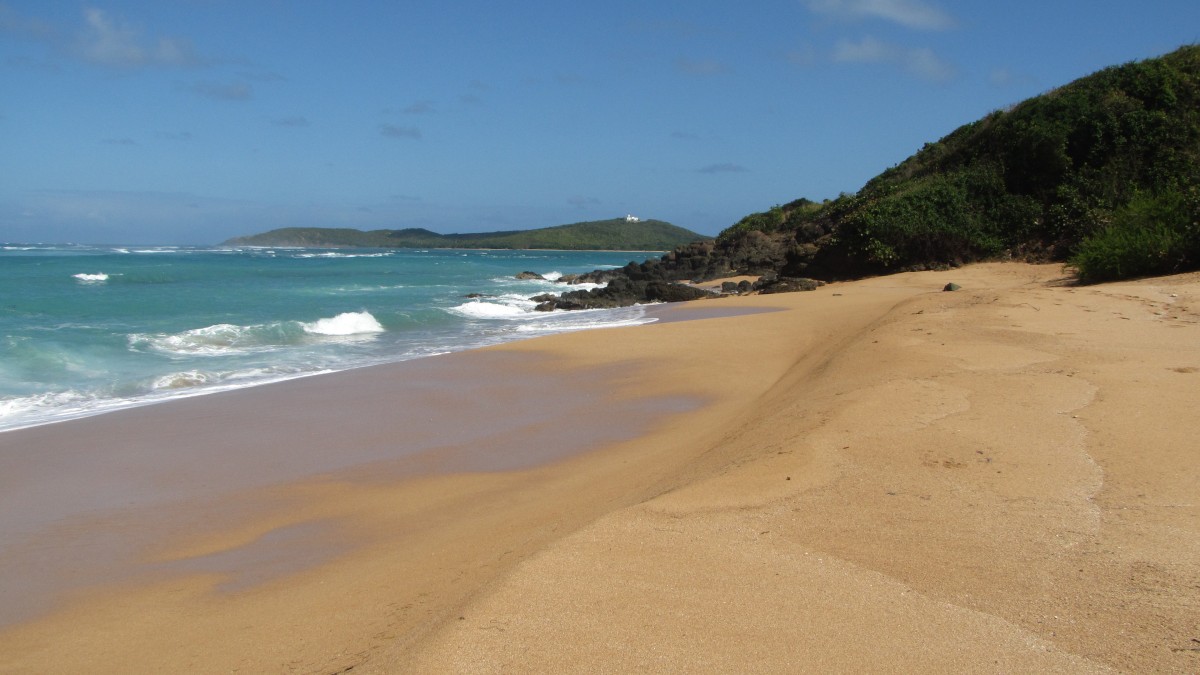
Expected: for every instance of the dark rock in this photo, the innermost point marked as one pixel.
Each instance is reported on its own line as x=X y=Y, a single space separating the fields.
x=788 y=285
x=729 y=287
x=476 y=295
x=525 y=276
x=758 y=252
x=951 y=287
x=544 y=297
x=665 y=291
x=745 y=286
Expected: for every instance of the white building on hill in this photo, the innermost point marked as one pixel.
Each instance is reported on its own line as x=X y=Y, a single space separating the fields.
x=632 y=219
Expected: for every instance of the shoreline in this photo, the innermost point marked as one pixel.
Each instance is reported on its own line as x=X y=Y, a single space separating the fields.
x=401 y=420
x=964 y=481
x=653 y=310
x=134 y=354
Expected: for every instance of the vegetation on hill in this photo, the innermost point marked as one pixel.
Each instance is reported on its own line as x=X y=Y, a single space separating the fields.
x=1103 y=173
x=616 y=234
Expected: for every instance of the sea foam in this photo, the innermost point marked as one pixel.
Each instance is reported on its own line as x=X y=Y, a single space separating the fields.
x=24 y=411
x=215 y=340
x=589 y=323
x=507 y=306
x=226 y=339
x=488 y=310
x=224 y=380
x=331 y=254
x=91 y=278
x=190 y=378
x=346 y=323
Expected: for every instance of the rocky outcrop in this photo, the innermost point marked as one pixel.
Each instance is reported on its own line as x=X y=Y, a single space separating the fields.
x=772 y=284
x=621 y=291
x=658 y=279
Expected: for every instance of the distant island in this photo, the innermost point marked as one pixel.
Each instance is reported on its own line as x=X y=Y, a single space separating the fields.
x=627 y=233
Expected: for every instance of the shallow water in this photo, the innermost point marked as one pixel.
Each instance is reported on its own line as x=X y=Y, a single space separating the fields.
x=86 y=329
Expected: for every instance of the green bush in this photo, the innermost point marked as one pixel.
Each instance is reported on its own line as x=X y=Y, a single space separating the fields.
x=1052 y=177
x=1149 y=236
x=767 y=221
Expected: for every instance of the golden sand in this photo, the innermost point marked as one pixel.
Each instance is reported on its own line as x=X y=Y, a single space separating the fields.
x=881 y=477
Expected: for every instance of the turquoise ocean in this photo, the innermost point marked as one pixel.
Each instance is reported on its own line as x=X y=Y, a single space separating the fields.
x=88 y=329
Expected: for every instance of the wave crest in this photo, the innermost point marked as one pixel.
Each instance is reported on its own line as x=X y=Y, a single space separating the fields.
x=225 y=339
x=190 y=378
x=346 y=323
x=508 y=306
x=215 y=340
x=331 y=254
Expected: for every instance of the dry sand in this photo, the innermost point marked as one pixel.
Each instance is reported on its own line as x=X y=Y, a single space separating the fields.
x=877 y=477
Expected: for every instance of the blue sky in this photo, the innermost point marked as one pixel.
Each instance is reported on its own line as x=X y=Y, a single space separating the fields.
x=190 y=121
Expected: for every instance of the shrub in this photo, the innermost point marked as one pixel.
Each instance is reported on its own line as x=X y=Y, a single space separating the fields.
x=1151 y=235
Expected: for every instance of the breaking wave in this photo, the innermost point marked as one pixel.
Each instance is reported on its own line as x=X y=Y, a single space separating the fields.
x=509 y=306
x=225 y=338
x=331 y=254
x=346 y=323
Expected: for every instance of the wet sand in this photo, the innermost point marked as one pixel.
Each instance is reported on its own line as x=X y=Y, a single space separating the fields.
x=871 y=476
x=106 y=488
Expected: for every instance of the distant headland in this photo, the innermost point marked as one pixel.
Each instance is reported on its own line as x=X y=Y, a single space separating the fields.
x=627 y=233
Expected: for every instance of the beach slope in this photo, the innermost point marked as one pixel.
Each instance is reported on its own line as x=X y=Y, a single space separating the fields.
x=1000 y=479
x=876 y=475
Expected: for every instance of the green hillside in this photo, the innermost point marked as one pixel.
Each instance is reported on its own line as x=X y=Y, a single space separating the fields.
x=1103 y=172
x=616 y=234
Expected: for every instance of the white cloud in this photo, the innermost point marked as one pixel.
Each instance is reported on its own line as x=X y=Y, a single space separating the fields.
x=921 y=62
x=909 y=13
x=111 y=42
x=867 y=50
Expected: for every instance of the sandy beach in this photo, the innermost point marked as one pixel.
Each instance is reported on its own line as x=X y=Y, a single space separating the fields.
x=873 y=476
